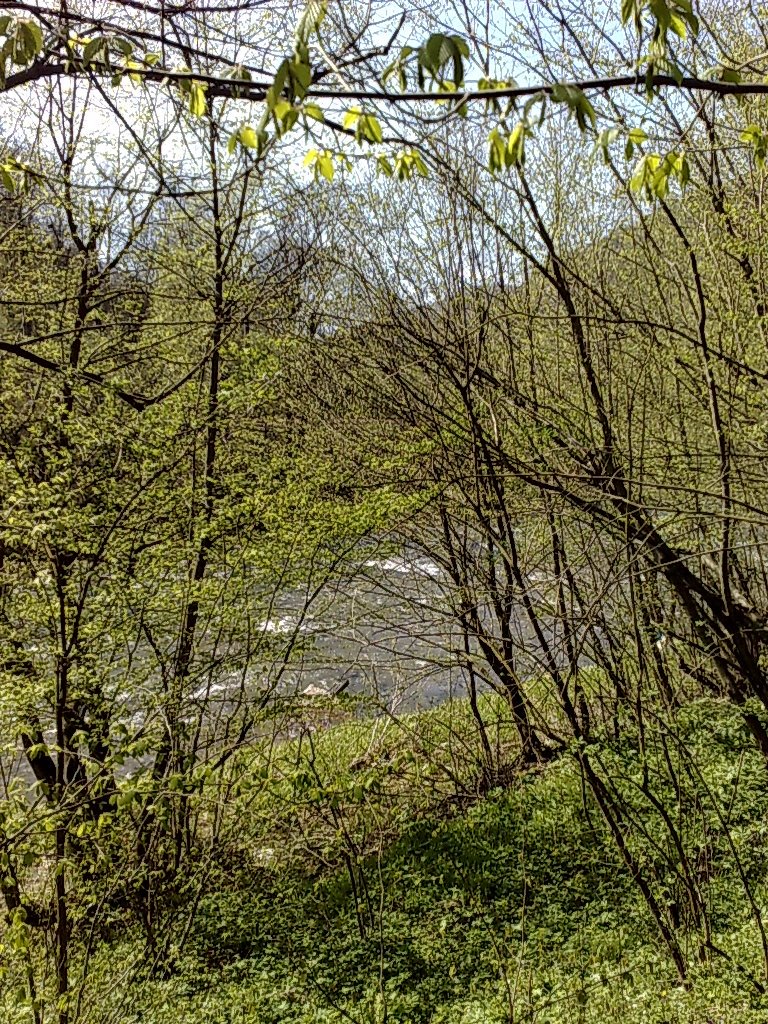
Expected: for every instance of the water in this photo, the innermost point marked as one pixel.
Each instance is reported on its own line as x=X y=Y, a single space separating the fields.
x=384 y=633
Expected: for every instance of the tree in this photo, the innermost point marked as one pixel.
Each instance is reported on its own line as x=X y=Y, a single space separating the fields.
x=148 y=527
x=576 y=399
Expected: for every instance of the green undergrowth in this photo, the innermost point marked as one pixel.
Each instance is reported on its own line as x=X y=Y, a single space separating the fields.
x=367 y=876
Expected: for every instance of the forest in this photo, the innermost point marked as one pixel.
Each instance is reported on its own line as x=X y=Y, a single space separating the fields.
x=383 y=496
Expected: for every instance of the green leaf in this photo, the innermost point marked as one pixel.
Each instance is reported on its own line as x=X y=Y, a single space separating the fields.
x=754 y=137
x=325 y=167
x=577 y=102
x=678 y=26
x=644 y=173
x=603 y=143
x=653 y=173
x=321 y=162
x=437 y=53
x=680 y=168
x=278 y=84
x=751 y=133
x=397 y=67
x=515 y=149
x=496 y=151
x=196 y=100
x=95 y=48
x=421 y=167
x=34 y=36
x=311 y=20
x=248 y=137
x=629 y=9
x=505 y=151
x=367 y=127
x=123 y=45
x=370 y=128
x=351 y=117
x=281 y=109
x=409 y=162
x=132 y=68
x=240 y=74
x=314 y=111
x=289 y=119
x=635 y=137
x=300 y=73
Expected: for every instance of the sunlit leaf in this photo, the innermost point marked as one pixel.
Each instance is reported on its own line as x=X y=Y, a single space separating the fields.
x=196 y=100
x=248 y=137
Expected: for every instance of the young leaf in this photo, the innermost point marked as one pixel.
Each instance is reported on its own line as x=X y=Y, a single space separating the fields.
x=642 y=178
x=321 y=162
x=34 y=37
x=300 y=74
x=95 y=48
x=370 y=128
x=248 y=137
x=278 y=84
x=439 y=51
x=577 y=103
x=196 y=99
x=515 y=149
x=351 y=117
x=7 y=179
x=635 y=137
x=123 y=45
x=755 y=138
x=314 y=111
x=631 y=9
x=311 y=20
x=281 y=109
x=325 y=165
x=603 y=143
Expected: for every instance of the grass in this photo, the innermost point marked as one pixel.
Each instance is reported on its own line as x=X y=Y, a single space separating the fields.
x=365 y=879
